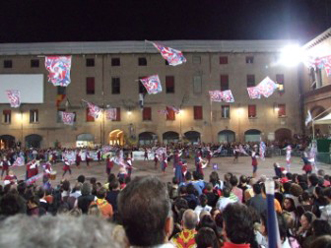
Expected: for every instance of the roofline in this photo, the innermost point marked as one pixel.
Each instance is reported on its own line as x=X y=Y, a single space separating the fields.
x=318 y=39
x=115 y=47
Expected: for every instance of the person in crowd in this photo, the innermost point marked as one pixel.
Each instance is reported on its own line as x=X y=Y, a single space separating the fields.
x=186 y=238
x=258 y=202
x=144 y=205
x=305 y=230
x=104 y=206
x=202 y=206
x=206 y=238
x=224 y=200
x=83 y=202
x=235 y=190
x=109 y=164
x=238 y=226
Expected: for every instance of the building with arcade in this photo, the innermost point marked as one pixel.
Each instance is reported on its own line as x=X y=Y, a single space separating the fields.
x=107 y=74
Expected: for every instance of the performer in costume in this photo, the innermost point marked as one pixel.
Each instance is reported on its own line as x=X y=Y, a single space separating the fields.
x=109 y=164
x=312 y=155
x=288 y=157
x=209 y=155
x=5 y=166
x=156 y=160
x=236 y=154
x=129 y=165
x=254 y=161
x=164 y=162
x=32 y=168
x=47 y=167
x=10 y=178
x=78 y=159
x=178 y=172
x=66 y=166
x=87 y=157
x=198 y=163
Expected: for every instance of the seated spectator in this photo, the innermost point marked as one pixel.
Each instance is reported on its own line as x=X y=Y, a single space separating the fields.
x=144 y=205
x=186 y=238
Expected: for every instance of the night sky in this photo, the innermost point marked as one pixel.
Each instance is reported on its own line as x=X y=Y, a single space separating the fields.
x=47 y=21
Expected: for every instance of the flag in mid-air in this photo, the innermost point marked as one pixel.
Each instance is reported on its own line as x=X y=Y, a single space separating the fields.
x=221 y=96
x=94 y=110
x=262 y=150
x=18 y=162
x=324 y=62
x=173 y=56
x=152 y=84
x=309 y=118
x=67 y=117
x=267 y=87
x=59 y=70
x=111 y=113
x=163 y=111
x=14 y=97
x=253 y=93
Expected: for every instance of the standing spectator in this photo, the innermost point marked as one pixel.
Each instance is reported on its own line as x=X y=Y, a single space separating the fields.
x=186 y=238
x=326 y=211
x=257 y=201
x=144 y=205
x=83 y=202
x=224 y=200
x=235 y=190
x=106 y=209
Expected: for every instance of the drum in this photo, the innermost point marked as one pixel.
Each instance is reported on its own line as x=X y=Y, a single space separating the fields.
x=52 y=175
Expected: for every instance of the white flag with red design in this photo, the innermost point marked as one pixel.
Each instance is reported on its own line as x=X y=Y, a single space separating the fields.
x=176 y=110
x=173 y=56
x=94 y=110
x=14 y=97
x=67 y=118
x=221 y=96
x=111 y=113
x=18 y=162
x=152 y=84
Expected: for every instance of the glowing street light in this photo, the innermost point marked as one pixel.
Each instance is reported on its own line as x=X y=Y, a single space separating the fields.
x=292 y=55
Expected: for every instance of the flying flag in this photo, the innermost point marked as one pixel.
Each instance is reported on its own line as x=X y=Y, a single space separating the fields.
x=94 y=110
x=163 y=111
x=18 y=162
x=324 y=62
x=111 y=113
x=253 y=93
x=309 y=118
x=221 y=96
x=176 y=110
x=67 y=117
x=152 y=84
x=14 y=97
x=173 y=56
x=215 y=95
x=267 y=87
x=33 y=179
x=59 y=70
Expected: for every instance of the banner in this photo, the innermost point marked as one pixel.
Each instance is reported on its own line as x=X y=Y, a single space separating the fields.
x=267 y=87
x=59 y=70
x=253 y=93
x=94 y=110
x=173 y=56
x=221 y=96
x=14 y=97
x=67 y=118
x=152 y=84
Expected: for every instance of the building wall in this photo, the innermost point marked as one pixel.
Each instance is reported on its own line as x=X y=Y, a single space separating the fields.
x=267 y=120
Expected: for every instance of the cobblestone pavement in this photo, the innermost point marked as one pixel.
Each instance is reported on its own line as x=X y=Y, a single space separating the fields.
x=225 y=164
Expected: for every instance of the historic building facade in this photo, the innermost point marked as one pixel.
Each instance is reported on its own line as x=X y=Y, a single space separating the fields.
x=107 y=74
x=316 y=83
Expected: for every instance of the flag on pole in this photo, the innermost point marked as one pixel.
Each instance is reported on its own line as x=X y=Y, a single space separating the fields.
x=309 y=118
x=324 y=62
x=67 y=117
x=152 y=84
x=221 y=96
x=14 y=97
x=59 y=70
x=94 y=110
x=33 y=179
x=173 y=56
x=111 y=113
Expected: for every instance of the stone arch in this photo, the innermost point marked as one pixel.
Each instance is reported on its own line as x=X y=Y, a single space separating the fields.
x=7 y=141
x=283 y=135
x=170 y=137
x=252 y=135
x=147 y=138
x=33 y=140
x=193 y=137
x=226 y=136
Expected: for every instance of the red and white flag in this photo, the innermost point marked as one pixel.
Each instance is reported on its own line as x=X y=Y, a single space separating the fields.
x=176 y=110
x=59 y=70
x=14 y=97
x=163 y=111
x=18 y=162
x=94 y=110
x=267 y=87
x=173 y=56
x=67 y=118
x=111 y=113
x=152 y=84
x=253 y=92
x=221 y=96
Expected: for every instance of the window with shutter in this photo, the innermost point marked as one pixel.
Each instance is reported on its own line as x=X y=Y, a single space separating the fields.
x=170 y=84
x=90 y=86
x=251 y=111
x=224 y=82
x=147 y=114
x=197 y=113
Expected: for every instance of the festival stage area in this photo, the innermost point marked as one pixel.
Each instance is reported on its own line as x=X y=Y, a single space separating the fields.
x=225 y=164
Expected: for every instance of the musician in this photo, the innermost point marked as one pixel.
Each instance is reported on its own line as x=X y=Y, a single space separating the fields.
x=254 y=157
x=32 y=168
x=5 y=166
x=47 y=167
x=66 y=166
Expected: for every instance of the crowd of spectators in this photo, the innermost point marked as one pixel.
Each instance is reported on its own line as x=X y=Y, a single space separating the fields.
x=144 y=212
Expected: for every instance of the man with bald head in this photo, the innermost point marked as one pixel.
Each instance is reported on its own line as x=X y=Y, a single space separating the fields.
x=186 y=238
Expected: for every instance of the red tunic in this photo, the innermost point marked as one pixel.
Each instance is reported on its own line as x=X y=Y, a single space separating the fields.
x=32 y=169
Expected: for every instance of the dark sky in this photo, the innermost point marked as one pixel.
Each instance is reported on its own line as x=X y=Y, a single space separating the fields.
x=70 y=20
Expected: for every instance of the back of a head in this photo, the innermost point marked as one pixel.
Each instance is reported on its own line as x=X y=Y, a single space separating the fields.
x=321 y=242
x=78 y=186
x=234 y=181
x=190 y=219
x=257 y=188
x=10 y=205
x=205 y=238
x=226 y=192
x=86 y=188
x=188 y=176
x=238 y=224
x=58 y=231
x=144 y=205
x=81 y=179
x=243 y=179
x=101 y=193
